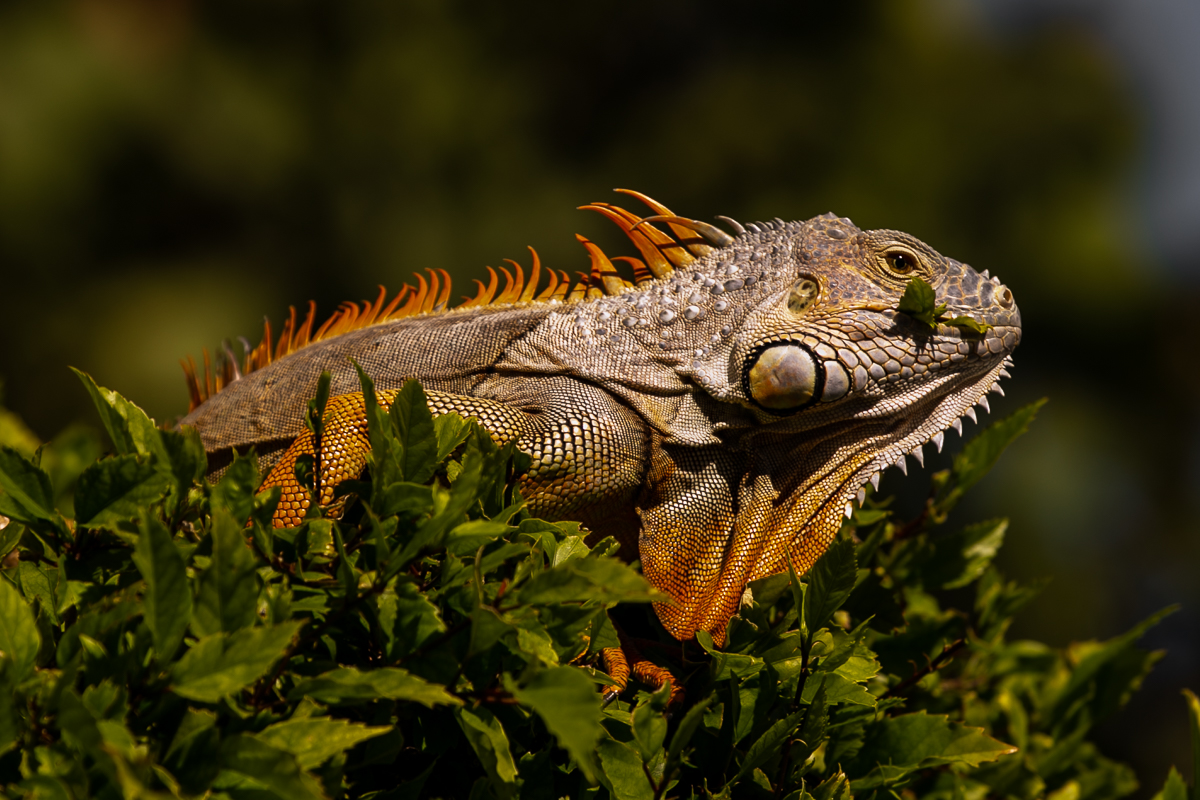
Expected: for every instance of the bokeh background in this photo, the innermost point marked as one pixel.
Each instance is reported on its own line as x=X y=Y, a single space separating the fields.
x=171 y=170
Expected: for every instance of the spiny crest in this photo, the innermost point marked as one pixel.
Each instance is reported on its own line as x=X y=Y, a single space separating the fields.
x=662 y=252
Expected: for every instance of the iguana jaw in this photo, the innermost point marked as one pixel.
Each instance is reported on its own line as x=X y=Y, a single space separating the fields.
x=938 y=411
x=889 y=424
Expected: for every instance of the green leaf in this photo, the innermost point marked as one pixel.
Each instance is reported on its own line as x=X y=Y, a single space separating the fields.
x=650 y=723
x=835 y=787
x=16 y=434
x=816 y=720
x=168 y=599
x=406 y=499
x=227 y=592
x=407 y=619
x=768 y=744
x=570 y=706
x=980 y=454
x=351 y=686
x=961 y=558
x=473 y=534
x=10 y=536
x=839 y=689
x=488 y=626
x=623 y=770
x=1193 y=704
x=234 y=494
x=413 y=423
x=269 y=767
x=117 y=490
x=194 y=754
x=451 y=430
x=131 y=430
x=19 y=637
x=25 y=491
x=604 y=580
x=1099 y=678
x=186 y=457
x=918 y=302
x=682 y=737
x=1174 y=788
x=316 y=739
x=910 y=742
x=11 y=726
x=487 y=738
x=386 y=451
x=829 y=583
x=314 y=419
x=36 y=585
x=970 y=323
x=78 y=726
x=224 y=663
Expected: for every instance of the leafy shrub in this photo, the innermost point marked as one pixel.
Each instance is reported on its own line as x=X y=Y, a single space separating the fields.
x=160 y=638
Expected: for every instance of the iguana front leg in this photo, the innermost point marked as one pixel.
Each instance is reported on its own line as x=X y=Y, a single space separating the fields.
x=588 y=451
x=346 y=444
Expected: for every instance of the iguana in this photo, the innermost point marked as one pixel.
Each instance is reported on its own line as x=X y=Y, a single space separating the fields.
x=718 y=415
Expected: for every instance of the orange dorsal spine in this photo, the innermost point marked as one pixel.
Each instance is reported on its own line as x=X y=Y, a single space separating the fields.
x=661 y=252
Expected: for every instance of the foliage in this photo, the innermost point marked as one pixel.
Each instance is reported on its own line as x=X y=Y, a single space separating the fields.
x=161 y=639
x=918 y=302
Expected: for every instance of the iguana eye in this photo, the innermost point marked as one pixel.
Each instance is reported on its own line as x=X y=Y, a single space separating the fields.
x=803 y=294
x=901 y=262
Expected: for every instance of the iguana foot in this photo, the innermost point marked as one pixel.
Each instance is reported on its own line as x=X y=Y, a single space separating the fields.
x=620 y=662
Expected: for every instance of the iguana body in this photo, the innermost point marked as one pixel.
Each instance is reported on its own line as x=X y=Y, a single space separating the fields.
x=718 y=417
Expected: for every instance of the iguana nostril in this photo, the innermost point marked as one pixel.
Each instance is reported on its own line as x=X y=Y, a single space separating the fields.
x=1004 y=295
x=783 y=377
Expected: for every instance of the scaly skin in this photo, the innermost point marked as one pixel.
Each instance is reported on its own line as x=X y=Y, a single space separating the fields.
x=718 y=420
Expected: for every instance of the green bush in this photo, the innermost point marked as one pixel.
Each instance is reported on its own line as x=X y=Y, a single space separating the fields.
x=160 y=639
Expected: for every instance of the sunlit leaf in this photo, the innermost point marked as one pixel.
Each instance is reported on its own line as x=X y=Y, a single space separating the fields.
x=314 y=740
x=623 y=770
x=271 y=767
x=117 y=490
x=979 y=455
x=599 y=579
x=224 y=663
x=909 y=742
x=227 y=592
x=570 y=706
x=168 y=595
x=19 y=638
x=829 y=582
x=350 y=685
x=918 y=302
x=131 y=429
x=414 y=427
x=487 y=738
x=25 y=490
x=768 y=744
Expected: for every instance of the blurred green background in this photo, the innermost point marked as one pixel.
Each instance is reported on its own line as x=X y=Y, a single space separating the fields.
x=170 y=171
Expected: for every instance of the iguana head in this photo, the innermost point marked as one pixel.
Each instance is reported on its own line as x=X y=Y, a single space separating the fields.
x=826 y=348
